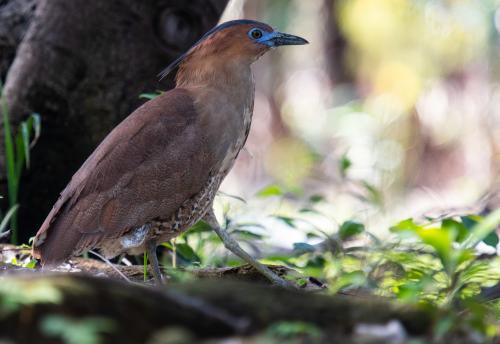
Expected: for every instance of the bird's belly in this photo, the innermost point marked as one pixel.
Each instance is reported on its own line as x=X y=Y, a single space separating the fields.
x=164 y=229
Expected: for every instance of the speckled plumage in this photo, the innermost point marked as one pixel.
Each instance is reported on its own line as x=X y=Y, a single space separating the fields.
x=158 y=171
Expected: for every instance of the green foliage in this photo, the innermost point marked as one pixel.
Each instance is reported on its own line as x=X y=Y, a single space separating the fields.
x=292 y=330
x=187 y=253
x=28 y=263
x=14 y=294
x=77 y=331
x=350 y=229
x=433 y=263
x=272 y=190
x=150 y=96
x=7 y=217
x=17 y=156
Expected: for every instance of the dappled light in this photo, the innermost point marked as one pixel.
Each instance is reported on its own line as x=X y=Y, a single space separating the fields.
x=300 y=172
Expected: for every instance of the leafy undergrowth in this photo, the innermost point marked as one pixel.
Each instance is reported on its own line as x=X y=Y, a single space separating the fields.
x=449 y=264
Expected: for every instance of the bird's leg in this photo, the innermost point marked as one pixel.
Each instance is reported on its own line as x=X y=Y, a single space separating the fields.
x=234 y=247
x=153 y=260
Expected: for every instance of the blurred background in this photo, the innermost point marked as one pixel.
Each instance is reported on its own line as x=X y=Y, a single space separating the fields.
x=392 y=110
x=372 y=165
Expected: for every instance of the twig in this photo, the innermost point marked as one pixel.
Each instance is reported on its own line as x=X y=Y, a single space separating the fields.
x=233 y=246
x=111 y=265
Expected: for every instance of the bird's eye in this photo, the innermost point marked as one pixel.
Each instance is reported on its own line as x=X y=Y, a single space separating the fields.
x=255 y=33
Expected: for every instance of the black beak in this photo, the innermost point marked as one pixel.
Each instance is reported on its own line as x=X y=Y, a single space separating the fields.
x=280 y=38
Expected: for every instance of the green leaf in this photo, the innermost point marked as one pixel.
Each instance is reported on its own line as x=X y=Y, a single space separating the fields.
x=246 y=234
x=88 y=330
x=405 y=225
x=25 y=142
x=167 y=245
x=350 y=228
x=187 y=253
x=457 y=230
x=294 y=329
x=288 y=220
x=344 y=165
x=374 y=195
x=270 y=191
x=200 y=227
x=316 y=262
x=148 y=95
x=316 y=199
x=444 y=325
x=441 y=239
x=20 y=154
x=410 y=291
x=460 y=256
x=277 y=258
x=351 y=279
x=31 y=264
x=7 y=217
x=9 y=154
x=491 y=239
x=36 y=125
x=308 y=210
x=10 y=164
x=481 y=230
x=312 y=235
x=470 y=221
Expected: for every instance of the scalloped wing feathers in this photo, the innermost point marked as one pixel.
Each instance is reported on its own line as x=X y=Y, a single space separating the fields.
x=144 y=169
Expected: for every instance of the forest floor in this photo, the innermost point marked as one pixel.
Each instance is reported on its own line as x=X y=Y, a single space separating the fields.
x=88 y=301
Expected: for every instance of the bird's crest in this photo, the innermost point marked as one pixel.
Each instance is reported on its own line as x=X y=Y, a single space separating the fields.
x=217 y=28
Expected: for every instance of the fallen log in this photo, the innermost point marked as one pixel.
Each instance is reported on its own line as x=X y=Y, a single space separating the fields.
x=203 y=308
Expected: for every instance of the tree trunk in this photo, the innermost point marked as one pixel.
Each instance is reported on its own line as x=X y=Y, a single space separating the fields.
x=335 y=45
x=15 y=16
x=82 y=66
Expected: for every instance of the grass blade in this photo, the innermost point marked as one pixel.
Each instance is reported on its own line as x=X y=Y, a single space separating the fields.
x=482 y=229
x=7 y=217
x=12 y=177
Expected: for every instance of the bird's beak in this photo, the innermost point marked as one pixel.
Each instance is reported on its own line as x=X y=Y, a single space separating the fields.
x=276 y=39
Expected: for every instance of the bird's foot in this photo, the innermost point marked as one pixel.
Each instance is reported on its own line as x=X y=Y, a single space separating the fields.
x=233 y=246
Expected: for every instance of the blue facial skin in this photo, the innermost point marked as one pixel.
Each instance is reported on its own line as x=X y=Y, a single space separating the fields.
x=267 y=38
x=275 y=38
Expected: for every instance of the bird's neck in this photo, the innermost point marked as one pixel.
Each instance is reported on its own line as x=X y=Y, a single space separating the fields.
x=223 y=96
x=219 y=85
x=213 y=71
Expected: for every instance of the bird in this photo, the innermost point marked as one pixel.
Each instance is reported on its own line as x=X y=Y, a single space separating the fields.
x=157 y=172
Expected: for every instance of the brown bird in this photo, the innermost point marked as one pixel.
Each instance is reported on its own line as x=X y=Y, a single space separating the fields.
x=156 y=174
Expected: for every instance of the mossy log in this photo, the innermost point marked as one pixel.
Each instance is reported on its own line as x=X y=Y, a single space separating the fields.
x=205 y=308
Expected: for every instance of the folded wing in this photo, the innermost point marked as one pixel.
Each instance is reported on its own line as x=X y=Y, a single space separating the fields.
x=145 y=168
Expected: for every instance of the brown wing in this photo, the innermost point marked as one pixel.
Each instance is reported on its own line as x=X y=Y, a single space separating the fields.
x=145 y=168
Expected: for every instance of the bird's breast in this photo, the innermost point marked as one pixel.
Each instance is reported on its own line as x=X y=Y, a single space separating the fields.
x=226 y=116
x=241 y=128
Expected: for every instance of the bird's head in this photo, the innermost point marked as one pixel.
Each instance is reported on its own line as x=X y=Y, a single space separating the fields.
x=237 y=41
